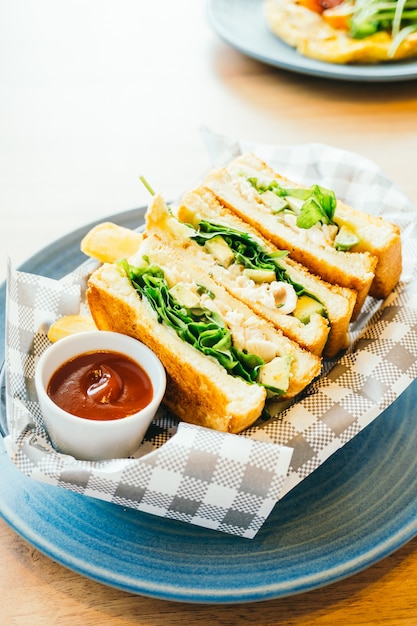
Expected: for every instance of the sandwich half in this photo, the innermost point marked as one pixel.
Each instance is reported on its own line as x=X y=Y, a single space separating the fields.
x=305 y=308
x=342 y=245
x=222 y=360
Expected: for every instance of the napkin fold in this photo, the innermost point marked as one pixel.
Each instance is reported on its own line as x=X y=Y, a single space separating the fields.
x=217 y=480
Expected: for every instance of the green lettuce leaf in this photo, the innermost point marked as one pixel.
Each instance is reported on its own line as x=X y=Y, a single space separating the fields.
x=249 y=253
x=319 y=203
x=200 y=327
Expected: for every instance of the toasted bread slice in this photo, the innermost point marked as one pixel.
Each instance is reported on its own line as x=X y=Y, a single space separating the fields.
x=199 y=389
x=312 y=247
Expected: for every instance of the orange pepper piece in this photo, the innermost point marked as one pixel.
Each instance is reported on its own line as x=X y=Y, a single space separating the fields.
x=338 y=17
x=313 y=5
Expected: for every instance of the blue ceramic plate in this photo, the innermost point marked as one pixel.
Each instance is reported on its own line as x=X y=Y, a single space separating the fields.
x=241 y=24
x=358 y=507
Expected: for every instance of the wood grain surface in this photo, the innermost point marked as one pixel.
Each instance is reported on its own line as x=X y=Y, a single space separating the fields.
x=36 y=590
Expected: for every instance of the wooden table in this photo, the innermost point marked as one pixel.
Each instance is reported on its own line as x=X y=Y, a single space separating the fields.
x=94 y=94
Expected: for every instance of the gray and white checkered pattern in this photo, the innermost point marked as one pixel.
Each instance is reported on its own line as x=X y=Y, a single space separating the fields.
x=229 y=482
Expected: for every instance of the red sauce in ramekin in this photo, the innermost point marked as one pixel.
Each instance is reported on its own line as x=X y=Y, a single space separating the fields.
x=102 y=385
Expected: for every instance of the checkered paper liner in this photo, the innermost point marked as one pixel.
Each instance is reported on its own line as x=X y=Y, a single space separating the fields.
x=184 y=472
x=217 y=480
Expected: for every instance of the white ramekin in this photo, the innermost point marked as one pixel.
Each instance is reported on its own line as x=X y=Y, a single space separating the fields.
x=97 y=440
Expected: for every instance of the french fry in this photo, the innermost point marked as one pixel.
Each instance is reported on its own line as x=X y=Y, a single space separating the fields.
x=108 y=242
x=69 y=325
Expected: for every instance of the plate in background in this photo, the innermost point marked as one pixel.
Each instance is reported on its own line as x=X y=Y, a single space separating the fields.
x=241 y=23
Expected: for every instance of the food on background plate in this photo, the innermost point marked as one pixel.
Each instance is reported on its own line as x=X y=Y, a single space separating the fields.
x=313 y=313
x=222 y=360
x=346 y=31
x=338 y=243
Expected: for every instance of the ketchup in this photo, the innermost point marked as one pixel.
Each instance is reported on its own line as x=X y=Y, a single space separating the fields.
x=101 y=385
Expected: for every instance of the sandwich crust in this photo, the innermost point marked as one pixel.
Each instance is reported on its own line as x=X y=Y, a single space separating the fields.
x=311 y=36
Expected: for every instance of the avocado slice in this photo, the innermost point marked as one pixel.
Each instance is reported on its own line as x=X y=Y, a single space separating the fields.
x=345 y=239
x=260 y=275
x=277 y=204
x=220 y=250
x=185 y=295
x=276 y=374
x=306 y=306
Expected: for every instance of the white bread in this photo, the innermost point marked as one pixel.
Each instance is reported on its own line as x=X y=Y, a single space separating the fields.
x=371 y=267
x=199 y=389
x=319 y=335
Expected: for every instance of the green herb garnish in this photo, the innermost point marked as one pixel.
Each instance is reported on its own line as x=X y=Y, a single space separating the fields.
x=146 y=185
x=319 y=204
x=319 y=207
